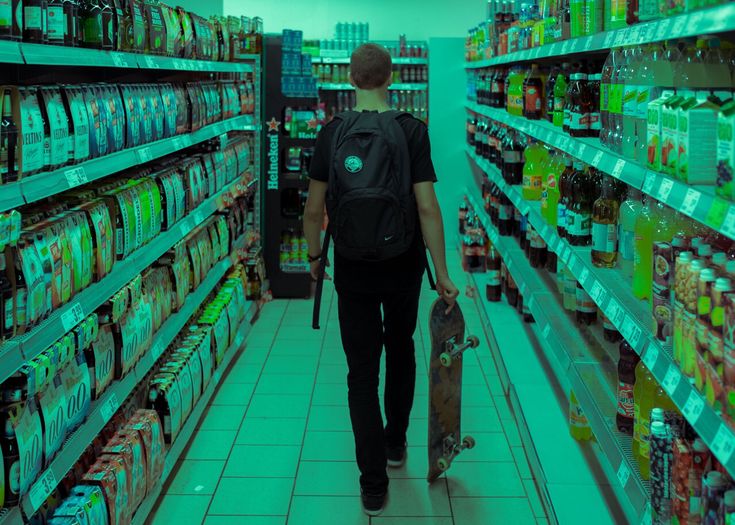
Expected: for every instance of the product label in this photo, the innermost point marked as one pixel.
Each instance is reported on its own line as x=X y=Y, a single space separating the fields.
x=31 y=130
x=604 y=97
x=630 y=100
x=532 y=182
x=604 y=237
x=493 y=277
x=579 y=225
x=32 y=18
x=726 y=155
x=561 y=216
x=511 y=157
x=585 y=303
x=533 y=100
x=625 y=400
x=6 y=13
x=579 y=121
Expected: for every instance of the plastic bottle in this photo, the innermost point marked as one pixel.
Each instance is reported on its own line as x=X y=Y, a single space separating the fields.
x=492 y=288
x=630 y=208
x=559 y=96
x=578 y=121
x=654 y=75
x=594 y=102
x=643 y=252
x=579 y=427
x=630 y=102
x=627 y=364
x=549 y=89
x=615 y=104
x=643 y=392
x=608 y=70
x=565 y=198
x=579 y=214
x=605 y=227
x=533 y=88
x=660 y=468
x=536 y=155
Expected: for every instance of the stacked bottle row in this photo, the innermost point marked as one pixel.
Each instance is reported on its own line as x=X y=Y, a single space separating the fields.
x=130 y=25
x=340 y=74
x=668 y=107
x=62 y=247
x=687 y=482
x=47 y=127
x=513 y=26
x=294 y=254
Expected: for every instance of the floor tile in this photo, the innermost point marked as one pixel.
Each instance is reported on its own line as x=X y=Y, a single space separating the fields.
x=241 y=496
x=519 y=455
x=480 y=419
x=291 y=365
x=271 y=431
x=492 y=510
x=244 y=372
x=180 y=509
x=328 y=446
x=245 y=520
x=330 y=394
x=196 y=477
x=418 y=432
x=504 y=411
x=412 y=497
x=329 y=418
x=415 y=467
x=332 y=374
x=311 y=510
x=496 y=387
x=210 y=444
x=476 y=395
x=533 y=498
x=322 y=478
x=223 y=417
x=489 y=446
x=288 y=405
x=284 y=384
x=230 y=393
x=262 y=461
x=511 y=432
x=478 y=479
x=542 y=521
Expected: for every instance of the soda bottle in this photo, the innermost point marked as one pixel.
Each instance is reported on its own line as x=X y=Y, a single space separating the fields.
x=605 y=227
x=550 y=189
x=586 y=309
x=629 y=211
x=471 y=129
x=533 y=94
x=579 y=214
x=643 y=251
x=511 y=290
x=579 y=106
x=497 y=96
x=565 y=197
x=550 y=85
x=627 y=364
x=643 y=395
x=579 y=427
x=513 y=158
x=605 y=86
x=536 y=248
x=630 y=80
x=493 y=287
x=505 y=217
x=559 y=96
x=594 y=101
x=615 y=103
x=535 y=155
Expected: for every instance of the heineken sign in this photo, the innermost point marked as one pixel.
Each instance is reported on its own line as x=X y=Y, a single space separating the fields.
x=273 y=128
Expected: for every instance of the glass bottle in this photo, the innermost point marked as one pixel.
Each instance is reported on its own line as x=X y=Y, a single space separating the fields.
x=627 y=364
x=493 y=287
x=533 y=94
x=9 y=29
x=513 y=159
x=605 y=227
x=55 y=22
x=579 y=214
x=565 y=198
x=8 y=142
x=33 y=21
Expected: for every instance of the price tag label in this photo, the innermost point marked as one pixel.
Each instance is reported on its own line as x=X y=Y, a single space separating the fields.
x=634 y=34
x=177 y=143
x=597 y=293
x=565 y=47
x=564 y=255
x=615 y=313
x=647 y=518
x=672 y=379
x=547 y=331
x=619 y=38
x=178 y=65
x=531 y=303
x=693 y=407
x=580 y=151
x=650 y=357
x=151 y=62
x=664 y=190
x=185 y=228
x=724 y=444
x=623 y=474
x=695 y=21
x=649 y=182
x=118 y=59
x=662 y=29
x=524 y=289
x=42 y=489
x=239 y=339
x=110 y=407
x=631 y=332
x=144 y=155
x=157 y=351
x=72 y=317
x=728 y=225
x=198 y=217
x=583 y=275
x=691 y=199
x=680 y=23
x=597 y=159
x=587 y=43
x=609 y=39
x=76 y=176
x=618 y=168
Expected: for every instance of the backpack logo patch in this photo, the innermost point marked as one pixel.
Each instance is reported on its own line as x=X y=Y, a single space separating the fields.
x=353 y=164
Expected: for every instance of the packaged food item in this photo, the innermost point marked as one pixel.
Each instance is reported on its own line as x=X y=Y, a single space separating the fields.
x=133 y=336
x=728 y=330
x=22 y=447
x=112 y=484
x=52 y=406
x=148 y=425
x=155 y=29
x=56 y=141
x=92 y=500
x=120 y=459
x=697 y=139
x=77 y=386
x=180 y=369
x=164 y=396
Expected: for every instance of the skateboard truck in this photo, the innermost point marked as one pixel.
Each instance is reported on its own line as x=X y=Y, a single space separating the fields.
x=453 y=351
x=452 y=450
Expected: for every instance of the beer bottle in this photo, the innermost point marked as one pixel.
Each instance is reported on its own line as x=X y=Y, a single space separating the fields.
x=493 y=288
x=537 y=249
x=71 y=21
x=8 y=142
x=33 y=21
x=55 y=26
x=565 y=197
x=505 y=216
x=9 y=20
x=627 y=364
x=586 y=308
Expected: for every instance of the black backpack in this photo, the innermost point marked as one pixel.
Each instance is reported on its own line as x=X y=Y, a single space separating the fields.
x=370 y=201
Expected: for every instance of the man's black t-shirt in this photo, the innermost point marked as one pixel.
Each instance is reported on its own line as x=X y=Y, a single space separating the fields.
x=405 y=271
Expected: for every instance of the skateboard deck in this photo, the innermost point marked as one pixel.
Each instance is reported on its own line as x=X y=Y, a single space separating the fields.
x=445 y=387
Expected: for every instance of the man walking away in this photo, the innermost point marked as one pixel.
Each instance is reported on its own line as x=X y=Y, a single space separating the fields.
x=372 y=169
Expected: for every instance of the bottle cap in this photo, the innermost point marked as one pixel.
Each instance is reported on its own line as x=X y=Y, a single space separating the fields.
x=658 y=428
x=697 y=265
x=657 y=414
x=707 y=275
x=723 y=284
x=686 y=257
x=578 y=76
x=715 y=478
x=719 y=259
x=699 y=445
x=704 y=250
x=730 y=267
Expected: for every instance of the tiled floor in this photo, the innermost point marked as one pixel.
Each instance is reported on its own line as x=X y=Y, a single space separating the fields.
x=276 y=445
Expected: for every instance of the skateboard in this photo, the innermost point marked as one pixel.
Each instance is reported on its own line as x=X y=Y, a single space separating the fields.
x=445 y=387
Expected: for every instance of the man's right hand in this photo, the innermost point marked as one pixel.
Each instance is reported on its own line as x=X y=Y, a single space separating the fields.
x=447 y=291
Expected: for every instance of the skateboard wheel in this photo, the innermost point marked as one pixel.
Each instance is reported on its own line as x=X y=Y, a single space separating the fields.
x=446 y=359
x=469 y=442
x=474 y=341
x=442 y=464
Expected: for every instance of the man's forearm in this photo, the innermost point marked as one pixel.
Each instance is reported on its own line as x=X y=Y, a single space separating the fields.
x=312 y=232
x=433 y=230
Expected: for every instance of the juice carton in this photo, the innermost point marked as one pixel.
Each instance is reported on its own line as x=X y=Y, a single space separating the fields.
x=726 y=151
x=697 y=121
x=670 y=134
x=655 y=131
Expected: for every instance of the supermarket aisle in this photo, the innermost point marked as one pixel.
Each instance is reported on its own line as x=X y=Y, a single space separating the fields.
x=276 y=445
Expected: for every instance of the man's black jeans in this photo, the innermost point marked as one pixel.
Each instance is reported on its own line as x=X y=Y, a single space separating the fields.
x=364 y=332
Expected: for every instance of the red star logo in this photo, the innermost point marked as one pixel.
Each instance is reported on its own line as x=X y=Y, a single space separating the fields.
x=273 y=124
x=313 y=123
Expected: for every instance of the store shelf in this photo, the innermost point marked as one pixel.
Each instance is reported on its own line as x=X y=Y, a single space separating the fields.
x=698 y=202
x=40 y=54
x=177 y=448
x=395 y=87
x=42 y=185
x=10 y=54
x=87 y=301
x=561 y=337
x=633 y=319
x=705 y=21
x=104 y=409
x=11 y=196
x=397 y=61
